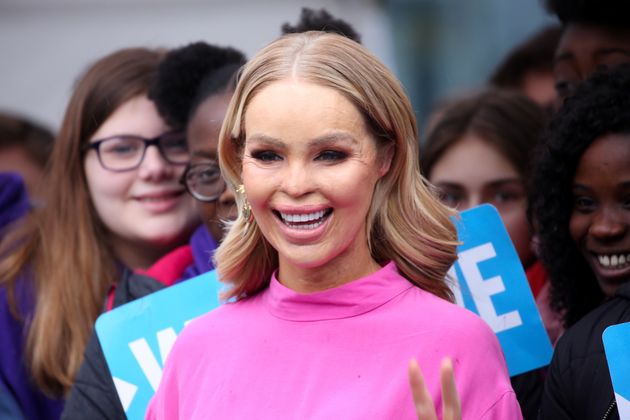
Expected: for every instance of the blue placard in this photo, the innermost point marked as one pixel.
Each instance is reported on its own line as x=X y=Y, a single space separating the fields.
x=617 y=347
x=137 y=337
x=490 y=281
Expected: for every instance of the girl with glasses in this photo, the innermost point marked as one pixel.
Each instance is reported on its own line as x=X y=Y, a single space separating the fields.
x=113 y=204
x=192 y=89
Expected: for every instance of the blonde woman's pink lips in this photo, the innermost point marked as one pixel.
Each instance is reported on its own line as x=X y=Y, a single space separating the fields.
x=304 y=226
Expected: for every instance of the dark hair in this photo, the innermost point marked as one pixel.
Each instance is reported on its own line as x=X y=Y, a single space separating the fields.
x=613 y=13
x=189 y=75
x=321 y=20
x=535 y=54
x=34 y=138
x=507 y=120
x=601 y=105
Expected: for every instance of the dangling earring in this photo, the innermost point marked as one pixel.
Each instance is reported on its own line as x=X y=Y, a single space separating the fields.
x=247 y=208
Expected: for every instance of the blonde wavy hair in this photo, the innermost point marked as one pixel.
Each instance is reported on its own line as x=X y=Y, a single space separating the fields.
x=406 y=223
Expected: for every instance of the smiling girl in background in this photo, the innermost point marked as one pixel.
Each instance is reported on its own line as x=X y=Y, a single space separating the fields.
x=581 y=202
x=113 y=204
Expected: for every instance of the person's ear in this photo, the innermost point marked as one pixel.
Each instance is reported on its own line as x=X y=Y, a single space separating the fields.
x=386 y=160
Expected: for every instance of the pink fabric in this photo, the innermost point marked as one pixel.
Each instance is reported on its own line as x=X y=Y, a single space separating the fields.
x=340 y=353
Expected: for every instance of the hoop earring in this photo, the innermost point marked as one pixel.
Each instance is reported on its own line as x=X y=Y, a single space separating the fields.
x=247 y=208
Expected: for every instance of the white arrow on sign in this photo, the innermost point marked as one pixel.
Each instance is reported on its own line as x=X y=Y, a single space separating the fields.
x=126 y=392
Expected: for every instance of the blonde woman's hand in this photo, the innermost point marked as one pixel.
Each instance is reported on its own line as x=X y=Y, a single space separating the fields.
x=451 y=408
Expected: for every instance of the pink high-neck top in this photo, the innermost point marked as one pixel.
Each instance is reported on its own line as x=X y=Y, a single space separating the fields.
x=337 y=354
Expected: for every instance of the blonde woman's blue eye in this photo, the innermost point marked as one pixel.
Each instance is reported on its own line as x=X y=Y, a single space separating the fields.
x=331 y=155
x=266 y=156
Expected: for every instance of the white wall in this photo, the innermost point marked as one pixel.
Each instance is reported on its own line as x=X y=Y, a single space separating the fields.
x=45 y=44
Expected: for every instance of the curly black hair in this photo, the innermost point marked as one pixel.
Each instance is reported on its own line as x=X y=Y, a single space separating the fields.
x=600 y=106
x=612 y=13
x=321 y=20
x=190 y=74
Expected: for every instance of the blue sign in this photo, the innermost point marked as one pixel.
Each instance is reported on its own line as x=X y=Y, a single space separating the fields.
x=617 y=347
x=137 y=337
x=489 y=280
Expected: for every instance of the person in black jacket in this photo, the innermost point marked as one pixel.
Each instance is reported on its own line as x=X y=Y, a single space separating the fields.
x=580 y=203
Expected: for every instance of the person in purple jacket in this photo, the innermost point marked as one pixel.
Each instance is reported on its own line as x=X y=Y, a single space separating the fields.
x=14 y=200
x=14 y=204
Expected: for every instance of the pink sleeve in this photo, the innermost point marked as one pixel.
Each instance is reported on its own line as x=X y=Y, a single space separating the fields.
x=165 y=403
x=506 y=408
x=150 y=414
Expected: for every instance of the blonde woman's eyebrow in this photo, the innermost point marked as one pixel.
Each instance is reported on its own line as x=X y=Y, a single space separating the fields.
x=326 y=139
x=332 y=138
x=265 y=140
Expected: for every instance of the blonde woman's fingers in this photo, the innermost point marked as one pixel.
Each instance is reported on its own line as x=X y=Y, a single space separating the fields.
x=451 y=407
x=421 y=397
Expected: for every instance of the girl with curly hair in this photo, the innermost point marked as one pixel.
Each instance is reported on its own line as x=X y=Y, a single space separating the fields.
x=580 y=202
x=192 y=90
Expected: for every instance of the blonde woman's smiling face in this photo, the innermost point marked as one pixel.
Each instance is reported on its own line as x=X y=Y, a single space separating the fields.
x=310 y=167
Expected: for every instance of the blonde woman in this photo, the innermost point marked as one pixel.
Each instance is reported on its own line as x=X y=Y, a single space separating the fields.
x=337 y=260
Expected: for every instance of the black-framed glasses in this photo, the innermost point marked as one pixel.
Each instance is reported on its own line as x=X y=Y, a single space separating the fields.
x=126 y=152
x=203 y=181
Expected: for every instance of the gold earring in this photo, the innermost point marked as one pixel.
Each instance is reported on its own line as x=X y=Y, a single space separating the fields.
x=247 y=208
